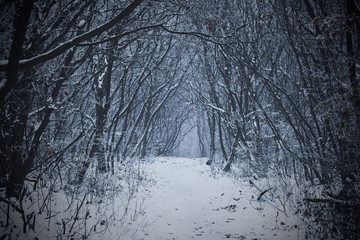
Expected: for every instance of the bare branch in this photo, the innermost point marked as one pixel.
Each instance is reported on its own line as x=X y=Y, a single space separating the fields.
x=74 y=41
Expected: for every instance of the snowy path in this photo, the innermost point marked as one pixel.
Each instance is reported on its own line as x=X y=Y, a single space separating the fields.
x=186 y=201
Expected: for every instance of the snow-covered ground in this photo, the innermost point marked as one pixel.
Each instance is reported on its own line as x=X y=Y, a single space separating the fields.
x=187 y=200
x=161 y=198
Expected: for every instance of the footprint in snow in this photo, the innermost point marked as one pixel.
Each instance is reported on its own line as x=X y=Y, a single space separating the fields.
x=230 y=208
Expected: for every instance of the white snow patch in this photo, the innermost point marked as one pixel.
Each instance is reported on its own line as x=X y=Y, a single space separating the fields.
x=188 y=201
x=177 y=198
x=81 y=23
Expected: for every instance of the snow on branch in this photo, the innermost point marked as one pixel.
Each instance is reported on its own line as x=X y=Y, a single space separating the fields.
x=216 y=108
x=74 y=41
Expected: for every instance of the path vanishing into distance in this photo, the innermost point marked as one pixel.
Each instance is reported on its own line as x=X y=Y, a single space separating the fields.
x=188 y=200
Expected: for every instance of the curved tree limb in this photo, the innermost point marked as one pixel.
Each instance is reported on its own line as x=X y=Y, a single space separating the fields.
x=16 y=64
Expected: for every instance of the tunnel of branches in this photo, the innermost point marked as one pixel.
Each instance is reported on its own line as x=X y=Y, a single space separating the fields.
x=97 y=84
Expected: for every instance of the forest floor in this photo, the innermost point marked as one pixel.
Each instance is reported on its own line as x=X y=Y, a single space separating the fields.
x=186 y=199
x=163 y=198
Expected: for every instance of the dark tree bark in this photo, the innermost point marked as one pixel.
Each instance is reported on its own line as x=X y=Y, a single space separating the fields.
x=233 y=149
x=212 y=128
x=12 y=67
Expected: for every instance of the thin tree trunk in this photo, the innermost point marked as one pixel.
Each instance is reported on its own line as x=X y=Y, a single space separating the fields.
x=233 y=150
x=211 y=123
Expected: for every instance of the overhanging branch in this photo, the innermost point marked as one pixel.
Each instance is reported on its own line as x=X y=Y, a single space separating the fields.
x=74 y=41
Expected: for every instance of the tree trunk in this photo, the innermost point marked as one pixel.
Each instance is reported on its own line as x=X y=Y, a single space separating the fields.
x=211 y=123
x=16 y=48
x=233 y=150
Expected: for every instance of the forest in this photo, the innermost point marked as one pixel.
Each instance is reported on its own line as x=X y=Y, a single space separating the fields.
x=90 y=90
